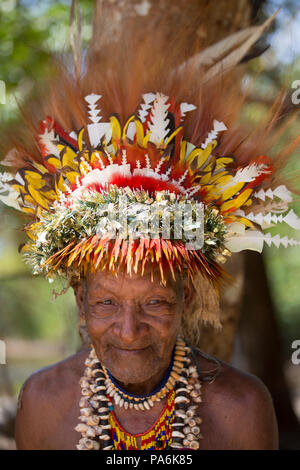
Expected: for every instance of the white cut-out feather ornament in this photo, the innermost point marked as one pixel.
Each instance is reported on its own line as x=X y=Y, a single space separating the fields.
x=281 y=192
x=277 y=241
x=213 y=134
x=145 y=107
x=96 y=129
x=159 y=120
x=47 y=139
x=186 y=108
x=270 y=219
x=246 y=175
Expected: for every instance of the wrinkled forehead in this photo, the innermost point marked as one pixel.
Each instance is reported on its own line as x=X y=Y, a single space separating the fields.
x=142 y=283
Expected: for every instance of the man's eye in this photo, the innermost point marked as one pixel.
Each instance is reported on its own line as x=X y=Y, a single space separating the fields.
x=154 y=302
x=105 y=302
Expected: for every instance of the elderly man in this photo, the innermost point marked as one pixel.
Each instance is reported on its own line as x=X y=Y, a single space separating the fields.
x=133 y=324
x=133 y=204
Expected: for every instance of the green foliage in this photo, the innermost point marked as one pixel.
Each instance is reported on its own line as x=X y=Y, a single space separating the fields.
x=30 y=31
x=282 y=264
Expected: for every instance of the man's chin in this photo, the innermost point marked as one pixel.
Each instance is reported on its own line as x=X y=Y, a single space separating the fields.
x=131 y=368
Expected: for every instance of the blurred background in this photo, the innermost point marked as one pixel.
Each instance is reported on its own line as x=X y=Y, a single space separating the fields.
x=261 y=315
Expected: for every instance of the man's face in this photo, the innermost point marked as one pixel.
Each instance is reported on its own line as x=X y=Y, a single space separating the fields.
x=133 y=323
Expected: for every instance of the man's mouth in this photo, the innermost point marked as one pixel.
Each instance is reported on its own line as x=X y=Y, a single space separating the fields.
x=129 y=351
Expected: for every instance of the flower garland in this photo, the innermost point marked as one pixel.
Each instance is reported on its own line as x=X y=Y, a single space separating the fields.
x=99 y=428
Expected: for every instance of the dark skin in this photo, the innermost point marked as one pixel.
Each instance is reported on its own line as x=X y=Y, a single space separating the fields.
x=133 y=323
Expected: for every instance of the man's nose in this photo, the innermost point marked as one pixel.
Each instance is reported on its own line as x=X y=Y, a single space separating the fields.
x=129 y=326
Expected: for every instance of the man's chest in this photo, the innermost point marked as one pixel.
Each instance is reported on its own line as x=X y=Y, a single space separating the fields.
x=63 y=436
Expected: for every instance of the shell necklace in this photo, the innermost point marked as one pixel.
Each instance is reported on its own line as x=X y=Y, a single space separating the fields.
x=99 y=393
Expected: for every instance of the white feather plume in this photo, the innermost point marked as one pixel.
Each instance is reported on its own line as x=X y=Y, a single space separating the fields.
x=158 y=126
x=246 y=174
x=47 y=139
x=144 y=108
x=213 y=134
x=186 y=108
x=96 y=129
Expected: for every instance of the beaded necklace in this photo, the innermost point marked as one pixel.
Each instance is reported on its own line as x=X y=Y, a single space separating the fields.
x=158 y=437
x=177 y=426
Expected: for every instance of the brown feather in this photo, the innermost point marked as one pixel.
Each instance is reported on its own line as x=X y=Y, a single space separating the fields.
x=143 y=60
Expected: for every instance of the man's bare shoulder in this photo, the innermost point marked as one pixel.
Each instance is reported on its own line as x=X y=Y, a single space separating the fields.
x=57 y=377
x=50 y=393
x=237 y=404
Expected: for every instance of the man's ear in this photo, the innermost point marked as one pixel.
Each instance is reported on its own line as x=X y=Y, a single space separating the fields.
x=79 y=296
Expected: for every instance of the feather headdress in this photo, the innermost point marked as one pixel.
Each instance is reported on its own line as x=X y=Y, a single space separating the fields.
x=135 y=125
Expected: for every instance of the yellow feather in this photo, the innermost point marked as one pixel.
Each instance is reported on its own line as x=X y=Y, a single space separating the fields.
x=28 y=210
x=182 y=151
x=38 y=198
x=222 y=161
x=18 y=187
x=172 y=136
x=126 y=127
x=54 y=161
x=205 y=179
x=237 y=202
x=32 y=230
x=115 y=128
x=246 y=222
x=215 y=178
x=146 y=139
x=93 y=158
x=139 y=132
x=80 y=139
x=72 y=175
x=34 y=179
x=203 y=159
x=230 y=192
x=68 y=158
x=193 y=155
x=41 y=168
x=60 y=185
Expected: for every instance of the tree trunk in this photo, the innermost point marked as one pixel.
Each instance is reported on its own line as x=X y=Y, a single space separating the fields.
x=260 y=341
x=207 y=19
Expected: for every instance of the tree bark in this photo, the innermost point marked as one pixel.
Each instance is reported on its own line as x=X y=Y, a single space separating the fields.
x=260 y=345
x=209 y=20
